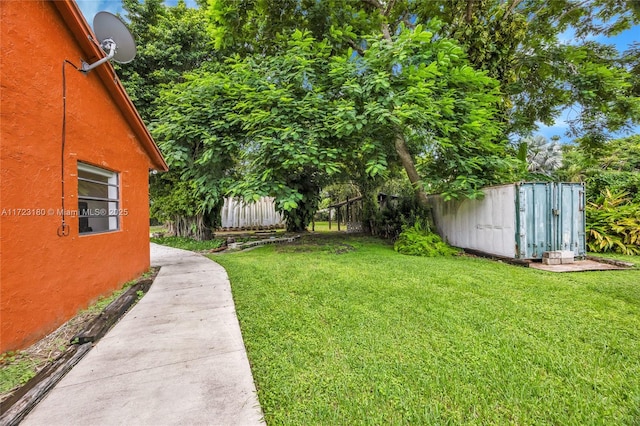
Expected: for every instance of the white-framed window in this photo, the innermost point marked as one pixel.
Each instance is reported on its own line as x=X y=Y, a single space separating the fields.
x=98 y=199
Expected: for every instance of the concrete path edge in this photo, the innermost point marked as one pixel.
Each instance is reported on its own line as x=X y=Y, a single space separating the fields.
x=177 y=357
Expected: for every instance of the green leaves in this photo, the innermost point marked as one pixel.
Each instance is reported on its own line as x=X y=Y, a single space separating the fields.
x=611 y=172
x=418 y=240
x=426 y=90
x=613 y=224
x=171 y=40
x=267 y=118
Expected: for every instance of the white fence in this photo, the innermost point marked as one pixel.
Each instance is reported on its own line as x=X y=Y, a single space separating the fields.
x=236 y=214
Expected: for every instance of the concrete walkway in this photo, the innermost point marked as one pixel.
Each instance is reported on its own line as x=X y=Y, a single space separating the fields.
x=177 y=358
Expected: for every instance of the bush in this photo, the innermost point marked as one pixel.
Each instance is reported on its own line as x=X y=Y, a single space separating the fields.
x=394 y=215
x=613 y=224
x=418 y=240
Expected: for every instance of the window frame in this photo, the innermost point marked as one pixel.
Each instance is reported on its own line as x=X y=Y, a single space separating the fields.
x=112 y=200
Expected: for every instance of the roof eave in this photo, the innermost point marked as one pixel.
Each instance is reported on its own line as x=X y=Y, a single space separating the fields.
x=107 y=74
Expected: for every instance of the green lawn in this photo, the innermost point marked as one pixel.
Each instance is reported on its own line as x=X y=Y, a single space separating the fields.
x=324 y=227
x=350 y=332
x=157 y=228
x=616 y=256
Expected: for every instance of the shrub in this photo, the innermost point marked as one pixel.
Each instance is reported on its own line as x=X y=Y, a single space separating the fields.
x=418 y=240
x=613 y=224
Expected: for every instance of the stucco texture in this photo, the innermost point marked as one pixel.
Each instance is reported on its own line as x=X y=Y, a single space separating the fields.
x=46 y=278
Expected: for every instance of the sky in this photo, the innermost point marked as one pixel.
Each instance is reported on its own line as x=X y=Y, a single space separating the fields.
x=622 y=41
x=89 y=8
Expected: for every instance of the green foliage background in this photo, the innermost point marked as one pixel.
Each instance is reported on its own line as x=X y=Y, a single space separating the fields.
x=611 y=172
x=283 y=98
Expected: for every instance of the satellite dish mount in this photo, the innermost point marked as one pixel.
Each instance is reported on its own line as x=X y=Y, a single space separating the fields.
x=115 y=39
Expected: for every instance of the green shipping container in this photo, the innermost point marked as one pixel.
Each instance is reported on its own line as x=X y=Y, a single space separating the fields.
x=550 y=217
x=520 y=220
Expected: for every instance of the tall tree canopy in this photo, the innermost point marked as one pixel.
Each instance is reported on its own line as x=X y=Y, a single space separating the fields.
x=518 y=42
x=200 y=136
x=320 y=88
x=302 y=116
x=373 y=29
x=418 y=94
x=171 y=40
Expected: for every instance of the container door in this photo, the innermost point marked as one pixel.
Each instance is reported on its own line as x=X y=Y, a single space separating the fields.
x=535 y=219
x=569 y=218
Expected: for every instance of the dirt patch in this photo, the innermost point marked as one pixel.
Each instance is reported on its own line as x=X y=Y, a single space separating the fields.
x=311 y=243
x=342 y=248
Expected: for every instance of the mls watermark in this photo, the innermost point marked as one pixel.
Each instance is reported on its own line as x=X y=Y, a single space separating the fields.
x=64 y=212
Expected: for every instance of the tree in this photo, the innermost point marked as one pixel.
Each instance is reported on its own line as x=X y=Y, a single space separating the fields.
x=395 y=73
x=171 y=40
x=412 y=93
x=247 y=26
x=270 y=107
x=199 y=137
x=303 y=116
x=287 y=116
x=542 y=157
x=398 y=93
x=615 y=166
x=516 y=41
x=420 y=97
x=611 y=172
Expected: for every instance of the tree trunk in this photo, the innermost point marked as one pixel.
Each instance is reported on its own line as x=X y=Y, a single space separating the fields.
x=469 y=14
x=299 y=218
x=412 y=173
x=191 y=227
x=366 y=187
x=400 y=144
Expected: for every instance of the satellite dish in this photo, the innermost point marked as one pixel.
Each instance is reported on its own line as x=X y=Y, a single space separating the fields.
x=115 y=39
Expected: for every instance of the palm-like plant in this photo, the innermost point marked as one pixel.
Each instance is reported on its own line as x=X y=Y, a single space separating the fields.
x=613 y=224
x=543 y=156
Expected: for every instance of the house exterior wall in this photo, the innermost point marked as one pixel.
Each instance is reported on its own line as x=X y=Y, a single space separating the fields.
x=46 y=278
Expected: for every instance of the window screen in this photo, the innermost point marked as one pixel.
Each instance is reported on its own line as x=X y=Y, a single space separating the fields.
x=98 y=199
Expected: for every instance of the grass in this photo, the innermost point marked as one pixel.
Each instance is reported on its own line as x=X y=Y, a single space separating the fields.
x=188 y=243
x=617 y=256
x=157 y=228
x=324 y=227
x=349 y=332
x=16 y=370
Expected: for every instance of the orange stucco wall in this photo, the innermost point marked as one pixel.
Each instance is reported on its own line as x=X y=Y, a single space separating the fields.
x=45 y=278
